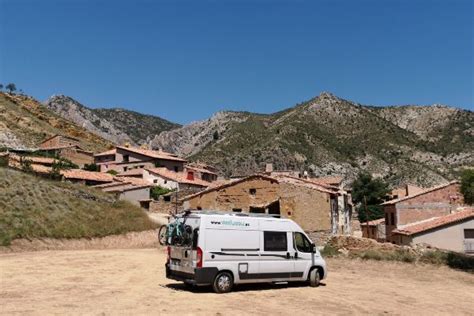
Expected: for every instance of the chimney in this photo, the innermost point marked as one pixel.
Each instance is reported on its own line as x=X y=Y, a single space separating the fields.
x=269 y=168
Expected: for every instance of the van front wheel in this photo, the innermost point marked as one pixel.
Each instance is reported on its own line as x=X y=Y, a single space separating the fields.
x=314 y=278
x=223 y=282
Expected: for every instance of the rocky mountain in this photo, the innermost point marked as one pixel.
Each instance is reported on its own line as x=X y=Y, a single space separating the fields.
x=25 y=122
x=329 y=135
x=117 y=125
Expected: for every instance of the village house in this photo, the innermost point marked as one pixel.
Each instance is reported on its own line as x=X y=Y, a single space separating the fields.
x=453 y=232
x=86 y=177
x=134 y=190
x=68 y=148
x=374 y=229
x=122 y=159
x=312 y=206
x=405 y=190
x=425 y=205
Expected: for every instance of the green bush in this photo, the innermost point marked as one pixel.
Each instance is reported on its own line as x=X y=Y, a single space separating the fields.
x=112 y=172
x=155 y=192
x=434 y=257
x=329 y=251
x=460 y=261
x=91 y=167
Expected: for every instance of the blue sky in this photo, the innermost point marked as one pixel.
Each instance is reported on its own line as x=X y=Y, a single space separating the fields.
x=184 y=60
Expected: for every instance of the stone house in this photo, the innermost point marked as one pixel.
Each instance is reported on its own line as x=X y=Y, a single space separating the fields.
x=312 y=206
x=122 y=159
x=374 y=229
x=453 y=232
x=405 y=190
x=427 y=204
x=57 y=141
x=184 y=180
x=68 y=148
x=130 y=189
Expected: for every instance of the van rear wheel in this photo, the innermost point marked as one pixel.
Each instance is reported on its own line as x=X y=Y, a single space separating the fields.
x=223 y=282
x=314 y=278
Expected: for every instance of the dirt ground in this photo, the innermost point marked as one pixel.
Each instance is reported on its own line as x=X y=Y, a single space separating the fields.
x=132 y=281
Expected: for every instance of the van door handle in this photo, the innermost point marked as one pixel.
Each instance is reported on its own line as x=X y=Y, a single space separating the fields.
x=296 y=255
x=287 y=255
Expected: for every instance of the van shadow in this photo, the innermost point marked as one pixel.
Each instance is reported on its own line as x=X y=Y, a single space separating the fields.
x=238 y=288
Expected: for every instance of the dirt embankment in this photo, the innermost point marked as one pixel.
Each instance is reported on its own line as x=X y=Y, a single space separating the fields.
x=133 y=282
x=145 y=239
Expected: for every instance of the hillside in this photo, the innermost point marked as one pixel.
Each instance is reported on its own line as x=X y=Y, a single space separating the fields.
x=35 y=207
x=329 y=135
x=24 y=123
x=117 y=125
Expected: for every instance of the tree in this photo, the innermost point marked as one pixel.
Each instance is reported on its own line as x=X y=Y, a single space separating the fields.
x=156 y=191
x=215 y=136
x=467 y=186
x=11 y=87
x=366 y=189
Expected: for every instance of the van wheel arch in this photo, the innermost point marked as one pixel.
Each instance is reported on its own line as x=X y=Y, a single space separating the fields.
x=320 y=272
x=215 y=283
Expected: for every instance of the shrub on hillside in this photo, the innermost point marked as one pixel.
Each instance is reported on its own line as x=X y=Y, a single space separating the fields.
x=91 y=167
x=113 y=172
x=155 y=192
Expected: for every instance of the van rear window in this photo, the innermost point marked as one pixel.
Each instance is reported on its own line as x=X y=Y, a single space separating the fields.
x=274 y=241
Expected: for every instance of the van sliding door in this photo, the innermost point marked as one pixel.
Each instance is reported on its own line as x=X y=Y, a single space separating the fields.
x=275 y=263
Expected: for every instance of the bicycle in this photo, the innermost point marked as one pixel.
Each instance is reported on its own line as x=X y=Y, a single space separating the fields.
x=175 y=233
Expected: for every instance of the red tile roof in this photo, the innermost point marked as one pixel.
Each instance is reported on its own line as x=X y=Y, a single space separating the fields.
x=374 y=222
x=38 y=160
x=394 y=201
x=179 y=177
x=134 y=181
x=202 y=170
x=106 y=153
x=87 y=175
x=131 y=172
x=153 y=153
x=329 y=180
x=435 y=222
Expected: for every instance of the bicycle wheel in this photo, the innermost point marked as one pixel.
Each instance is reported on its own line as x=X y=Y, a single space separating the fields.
x=163 y=235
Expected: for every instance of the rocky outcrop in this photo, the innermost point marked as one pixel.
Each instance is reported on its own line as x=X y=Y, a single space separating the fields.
x=118 y=125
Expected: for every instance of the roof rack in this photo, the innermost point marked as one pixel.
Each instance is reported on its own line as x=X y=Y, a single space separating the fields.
x=213 y=212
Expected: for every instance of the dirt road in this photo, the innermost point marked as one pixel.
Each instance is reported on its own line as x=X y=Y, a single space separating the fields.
x=111 y=282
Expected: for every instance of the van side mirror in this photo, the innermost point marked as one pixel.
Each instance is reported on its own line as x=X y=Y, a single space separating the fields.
x=314 y=249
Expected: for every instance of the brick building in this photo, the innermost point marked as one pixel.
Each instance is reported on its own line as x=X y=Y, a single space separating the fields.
x=312 y=206
x=68 y=148
x=122 y=159
x=426 y=204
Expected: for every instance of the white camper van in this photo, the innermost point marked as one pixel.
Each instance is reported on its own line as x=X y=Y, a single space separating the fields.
x=222 y=249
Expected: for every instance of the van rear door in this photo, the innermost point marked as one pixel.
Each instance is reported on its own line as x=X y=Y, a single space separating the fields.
x=183 y=256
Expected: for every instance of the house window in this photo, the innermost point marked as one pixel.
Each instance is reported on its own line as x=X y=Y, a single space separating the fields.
x=469 y=233
x=253 y=191
x=259 y=210
x=392 y=218
x=199 y=208
x=274 y=241
x=237 y=210
x=126 y=158
x=167 y=198
x=155 y=181
x=125 y=168
x=166 y=181
x=176 y=169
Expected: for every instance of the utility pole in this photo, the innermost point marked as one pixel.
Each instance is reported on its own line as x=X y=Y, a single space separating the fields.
x=366 y=216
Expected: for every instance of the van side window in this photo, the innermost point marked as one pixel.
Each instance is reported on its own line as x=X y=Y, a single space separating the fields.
x=274 y=241
x=302 y=243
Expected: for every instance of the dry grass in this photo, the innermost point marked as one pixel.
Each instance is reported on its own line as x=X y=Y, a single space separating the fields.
x=35 y=207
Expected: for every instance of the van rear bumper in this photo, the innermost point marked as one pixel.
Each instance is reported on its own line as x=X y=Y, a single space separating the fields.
x=201 y=276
